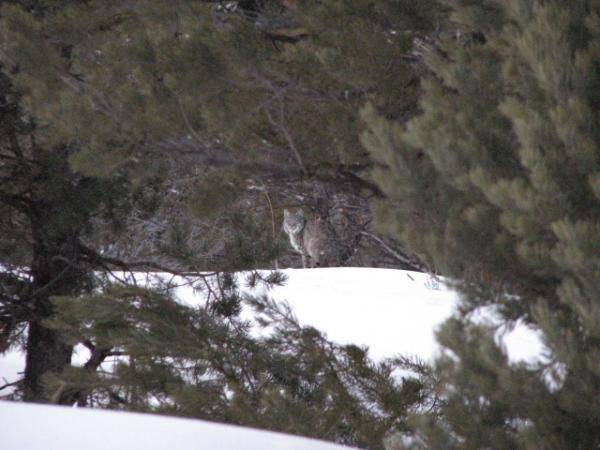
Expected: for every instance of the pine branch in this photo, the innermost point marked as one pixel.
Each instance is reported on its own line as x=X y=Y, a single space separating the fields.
x=13 y=383
x=106 y=262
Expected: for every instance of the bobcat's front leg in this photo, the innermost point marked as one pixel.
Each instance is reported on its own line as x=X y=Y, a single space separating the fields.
x=304 y=265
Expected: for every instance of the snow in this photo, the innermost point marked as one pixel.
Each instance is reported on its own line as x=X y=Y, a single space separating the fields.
x=390 y=311
x=11 y=363
x=42 y=427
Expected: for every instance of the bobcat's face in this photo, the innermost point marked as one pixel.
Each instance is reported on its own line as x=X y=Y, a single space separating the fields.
x=293 y=222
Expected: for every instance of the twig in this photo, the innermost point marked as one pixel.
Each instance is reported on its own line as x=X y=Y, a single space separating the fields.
x=288 y=137
x=400 y=257
x=272 y=221
x=7 y=385
x=187 y=121
x=95 y=258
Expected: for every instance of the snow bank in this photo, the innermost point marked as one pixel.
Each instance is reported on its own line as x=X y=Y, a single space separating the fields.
x=41 y=427
x=390 y=311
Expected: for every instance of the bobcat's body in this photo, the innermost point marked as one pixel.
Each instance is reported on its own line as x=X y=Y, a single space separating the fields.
x=309 y=237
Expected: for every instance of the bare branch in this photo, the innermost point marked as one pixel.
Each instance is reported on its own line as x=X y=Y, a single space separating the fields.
x=409 y=261
x=14 y=383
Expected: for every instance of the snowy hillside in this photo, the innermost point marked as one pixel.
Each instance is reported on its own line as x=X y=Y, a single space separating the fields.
x=390 y=311
x=41 y=427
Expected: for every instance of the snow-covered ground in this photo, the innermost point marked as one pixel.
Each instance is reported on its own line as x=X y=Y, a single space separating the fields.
x=390 y=311
x=41 y=427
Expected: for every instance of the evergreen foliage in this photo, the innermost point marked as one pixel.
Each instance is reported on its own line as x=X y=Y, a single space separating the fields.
x=175 y=359
x=256 y=98
x=46 y=213
x=481 y=134
x=72 y=169
x=496 y=183
x=107 y=104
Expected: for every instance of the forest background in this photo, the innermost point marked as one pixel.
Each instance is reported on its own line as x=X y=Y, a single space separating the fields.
x=455 y=137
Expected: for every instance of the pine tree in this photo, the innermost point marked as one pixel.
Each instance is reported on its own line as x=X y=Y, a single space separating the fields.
x=46 y=209
x=97 y=97
x=496 y=184
x=260 y=97
x=169 y=358
x=50 y=210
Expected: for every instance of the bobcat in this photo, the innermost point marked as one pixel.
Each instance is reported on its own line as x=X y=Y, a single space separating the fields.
x=309 y=237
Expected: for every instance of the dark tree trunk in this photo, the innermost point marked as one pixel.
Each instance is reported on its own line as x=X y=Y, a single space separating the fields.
x=45 y=353
x=56 y=271
x=37 y=184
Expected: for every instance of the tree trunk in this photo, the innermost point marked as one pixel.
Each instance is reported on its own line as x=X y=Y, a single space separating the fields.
x=56 y=272
x=45 y=353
